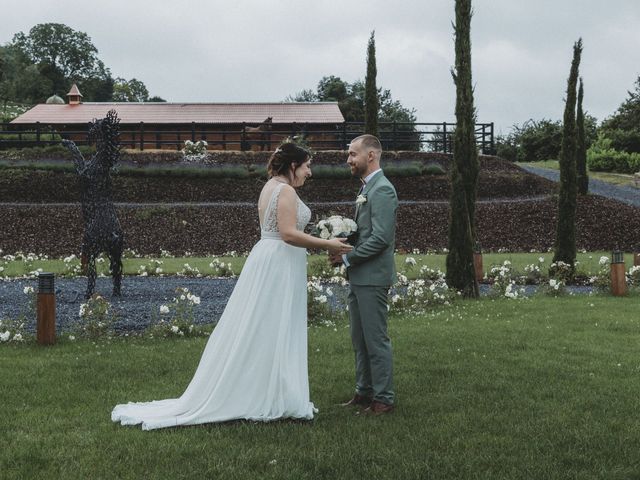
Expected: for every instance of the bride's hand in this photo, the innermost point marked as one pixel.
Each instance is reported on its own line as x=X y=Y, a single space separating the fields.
x=339 y=246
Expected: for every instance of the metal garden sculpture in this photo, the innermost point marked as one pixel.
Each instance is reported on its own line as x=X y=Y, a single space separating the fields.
x=102 y=230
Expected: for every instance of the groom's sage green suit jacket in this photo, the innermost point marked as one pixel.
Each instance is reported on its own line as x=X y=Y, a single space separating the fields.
x=371 y=260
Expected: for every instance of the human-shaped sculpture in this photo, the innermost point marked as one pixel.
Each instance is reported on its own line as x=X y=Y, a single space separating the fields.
x=102 y=230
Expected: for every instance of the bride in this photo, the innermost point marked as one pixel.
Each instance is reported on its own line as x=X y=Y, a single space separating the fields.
x=254 y=365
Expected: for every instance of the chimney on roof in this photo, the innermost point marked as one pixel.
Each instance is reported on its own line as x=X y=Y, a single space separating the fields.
x=74 y=95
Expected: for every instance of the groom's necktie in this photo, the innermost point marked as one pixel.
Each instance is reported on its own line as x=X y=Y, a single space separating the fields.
x=364 y=184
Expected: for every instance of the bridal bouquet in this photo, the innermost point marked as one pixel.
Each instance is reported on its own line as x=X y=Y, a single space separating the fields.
x=335 y=226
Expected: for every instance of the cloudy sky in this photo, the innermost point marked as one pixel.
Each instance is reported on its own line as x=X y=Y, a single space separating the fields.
x=259 y=51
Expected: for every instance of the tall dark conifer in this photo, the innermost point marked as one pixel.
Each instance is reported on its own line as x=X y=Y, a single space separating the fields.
x=371 y=101
x=581 y=147
x=464 y=170
x=565 y=244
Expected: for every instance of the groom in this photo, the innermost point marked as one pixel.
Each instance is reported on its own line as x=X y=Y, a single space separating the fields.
x=371 y=271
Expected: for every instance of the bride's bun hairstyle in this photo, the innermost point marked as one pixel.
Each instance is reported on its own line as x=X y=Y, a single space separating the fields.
x=286 y=155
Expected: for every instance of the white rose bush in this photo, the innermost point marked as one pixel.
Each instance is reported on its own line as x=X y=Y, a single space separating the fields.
x=176 y=318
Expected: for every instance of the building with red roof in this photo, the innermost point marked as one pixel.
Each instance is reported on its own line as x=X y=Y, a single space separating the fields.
x=162 y=125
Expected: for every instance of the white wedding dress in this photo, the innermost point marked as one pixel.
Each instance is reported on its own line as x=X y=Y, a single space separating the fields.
x=254 y=365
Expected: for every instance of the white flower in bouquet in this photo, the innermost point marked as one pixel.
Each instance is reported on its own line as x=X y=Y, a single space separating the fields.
x=335 y=226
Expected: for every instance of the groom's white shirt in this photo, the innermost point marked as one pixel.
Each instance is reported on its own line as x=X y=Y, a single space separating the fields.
x=366 y=180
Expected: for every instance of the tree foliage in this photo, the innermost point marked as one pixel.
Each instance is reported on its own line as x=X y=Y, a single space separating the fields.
x=465 y=168
x=565 y=243
x=130 y=91
x=539 y=140
x=371 y=104
x=623 y=127
x=61 y=48
x=581 y=146
x=49 y=59
x=351 y=101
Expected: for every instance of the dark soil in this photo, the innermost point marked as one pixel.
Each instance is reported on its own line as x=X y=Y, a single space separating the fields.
x=516 y=210
x=602 y=224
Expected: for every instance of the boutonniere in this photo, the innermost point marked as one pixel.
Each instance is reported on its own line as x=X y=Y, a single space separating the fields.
x=361 y=199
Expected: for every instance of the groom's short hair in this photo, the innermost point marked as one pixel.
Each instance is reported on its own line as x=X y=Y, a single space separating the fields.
x=369 y=142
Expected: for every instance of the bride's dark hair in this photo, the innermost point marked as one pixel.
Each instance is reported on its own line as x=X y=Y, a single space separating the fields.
x=286 y=155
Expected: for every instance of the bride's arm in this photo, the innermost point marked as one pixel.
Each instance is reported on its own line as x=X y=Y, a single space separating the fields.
x=286 y=216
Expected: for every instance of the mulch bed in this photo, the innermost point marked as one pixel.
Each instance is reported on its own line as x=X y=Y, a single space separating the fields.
x=517 y=226
x=522 y=225
x=41 y=186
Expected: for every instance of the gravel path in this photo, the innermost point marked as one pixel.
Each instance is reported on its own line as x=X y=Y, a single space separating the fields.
x=141 y=299
x=629 y=195
x=135 y=309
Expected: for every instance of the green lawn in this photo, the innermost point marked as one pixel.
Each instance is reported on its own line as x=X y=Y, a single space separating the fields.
x=535 y=389
x=588 y=263
x=609 y=177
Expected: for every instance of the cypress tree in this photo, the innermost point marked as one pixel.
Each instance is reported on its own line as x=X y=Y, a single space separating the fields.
x=565 y=244
x=581 y=148
x=464 y=169
x=371 y=101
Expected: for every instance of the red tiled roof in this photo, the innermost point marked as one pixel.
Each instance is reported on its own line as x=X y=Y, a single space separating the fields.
x=154 y=113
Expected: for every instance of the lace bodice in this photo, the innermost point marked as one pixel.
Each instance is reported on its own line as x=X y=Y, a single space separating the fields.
x=270 y=221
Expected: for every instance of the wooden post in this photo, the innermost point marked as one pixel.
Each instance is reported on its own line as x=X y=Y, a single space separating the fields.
x=477 y=263
x=46 y=310
x=444 y=136
x=141 y=136
x=618 y=275
x=493 y=146
x=395 y=131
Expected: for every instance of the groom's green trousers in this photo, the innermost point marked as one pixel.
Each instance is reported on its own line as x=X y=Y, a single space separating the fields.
x=368 y=315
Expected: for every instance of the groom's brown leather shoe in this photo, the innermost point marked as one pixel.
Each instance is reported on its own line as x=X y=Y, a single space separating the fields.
x=358 y=401
x=378 y=408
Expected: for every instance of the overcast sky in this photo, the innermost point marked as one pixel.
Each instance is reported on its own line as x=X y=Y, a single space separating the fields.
x=262 y=51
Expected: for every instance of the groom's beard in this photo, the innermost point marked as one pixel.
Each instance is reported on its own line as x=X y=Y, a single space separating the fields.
x=357 y=172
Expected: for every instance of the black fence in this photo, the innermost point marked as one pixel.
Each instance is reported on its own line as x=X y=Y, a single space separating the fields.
x=433 y=137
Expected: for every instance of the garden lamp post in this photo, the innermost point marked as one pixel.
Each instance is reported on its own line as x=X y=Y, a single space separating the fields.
x=618 y=274
x=46 y=310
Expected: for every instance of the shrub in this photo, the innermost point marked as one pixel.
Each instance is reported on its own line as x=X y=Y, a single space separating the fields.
x=177 y=320
x=97 y=318
x=624 y=140
x=540 y=140
x=603 y=157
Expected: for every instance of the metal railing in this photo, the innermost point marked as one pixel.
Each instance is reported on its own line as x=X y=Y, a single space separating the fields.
x=435 y=137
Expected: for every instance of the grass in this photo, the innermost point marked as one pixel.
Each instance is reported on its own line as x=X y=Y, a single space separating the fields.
x=544 y=388
x=621 y=179
x=588 y=263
